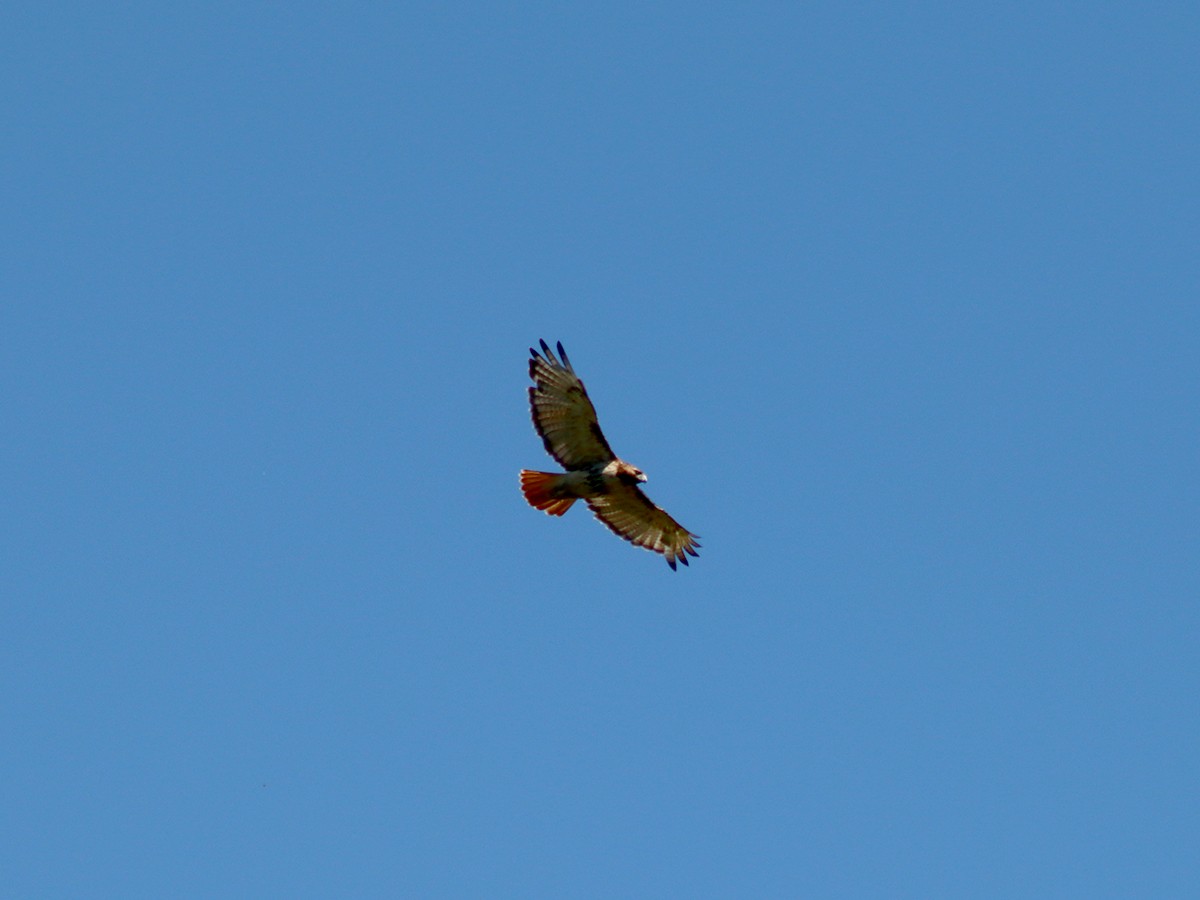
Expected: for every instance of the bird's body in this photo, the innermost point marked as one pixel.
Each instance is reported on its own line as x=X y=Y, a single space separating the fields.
x=554 y=492
x=566 y=420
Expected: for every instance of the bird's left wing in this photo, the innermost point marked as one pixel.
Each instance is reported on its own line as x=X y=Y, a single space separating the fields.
x=628 y=513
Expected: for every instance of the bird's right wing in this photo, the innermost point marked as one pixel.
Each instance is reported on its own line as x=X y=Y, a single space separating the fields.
x=562 y=412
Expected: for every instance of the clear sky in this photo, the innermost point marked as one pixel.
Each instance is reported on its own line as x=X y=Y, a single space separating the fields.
x=897 y=307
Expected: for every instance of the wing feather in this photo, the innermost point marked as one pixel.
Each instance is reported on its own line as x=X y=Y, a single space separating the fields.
x=563 y=413
x=630 y=514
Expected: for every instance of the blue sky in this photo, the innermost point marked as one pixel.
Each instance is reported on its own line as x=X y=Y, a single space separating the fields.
x=896 y=306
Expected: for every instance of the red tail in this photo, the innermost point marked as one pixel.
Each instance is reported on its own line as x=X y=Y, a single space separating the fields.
x=541 y=492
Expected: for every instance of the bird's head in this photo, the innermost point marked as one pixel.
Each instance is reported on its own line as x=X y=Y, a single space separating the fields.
x=630 y=474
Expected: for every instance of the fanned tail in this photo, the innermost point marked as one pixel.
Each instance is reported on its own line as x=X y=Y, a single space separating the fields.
x=541 y=490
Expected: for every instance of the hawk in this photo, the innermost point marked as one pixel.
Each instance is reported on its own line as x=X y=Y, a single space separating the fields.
x=565 y=418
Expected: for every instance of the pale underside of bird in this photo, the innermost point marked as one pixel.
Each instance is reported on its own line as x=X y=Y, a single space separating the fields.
x=565 y=419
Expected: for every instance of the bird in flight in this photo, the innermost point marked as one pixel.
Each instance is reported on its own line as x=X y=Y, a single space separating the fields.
x=566 y=420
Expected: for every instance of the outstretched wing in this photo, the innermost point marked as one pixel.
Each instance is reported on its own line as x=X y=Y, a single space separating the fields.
x=630 y=514
x=562 y=413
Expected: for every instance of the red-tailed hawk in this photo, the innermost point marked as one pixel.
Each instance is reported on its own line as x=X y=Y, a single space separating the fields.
x=565 y=418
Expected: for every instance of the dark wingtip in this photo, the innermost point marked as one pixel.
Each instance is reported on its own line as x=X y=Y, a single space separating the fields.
x=563 y=353
x=545 y=346
x=671 y=563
